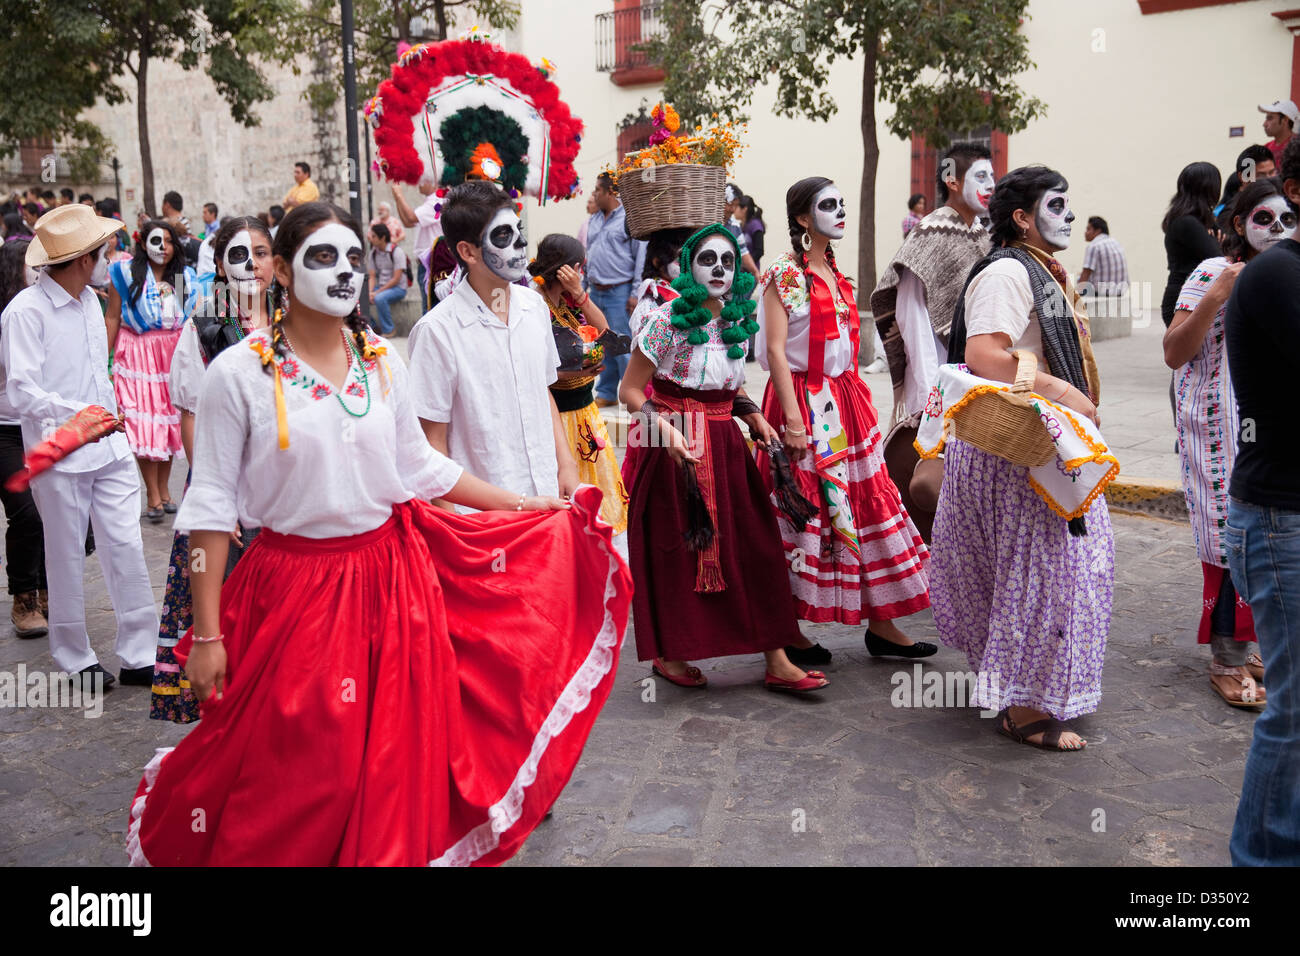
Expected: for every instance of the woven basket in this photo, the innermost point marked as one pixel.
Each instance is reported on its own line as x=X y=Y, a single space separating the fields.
x=1005 y=423
x=673 y=196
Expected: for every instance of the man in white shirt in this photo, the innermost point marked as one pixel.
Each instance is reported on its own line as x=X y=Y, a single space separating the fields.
x=424 y=219
x=483 y=358
x=55 y=348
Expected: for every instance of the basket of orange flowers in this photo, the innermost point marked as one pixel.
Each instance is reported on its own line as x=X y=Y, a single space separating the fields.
x=676 y=181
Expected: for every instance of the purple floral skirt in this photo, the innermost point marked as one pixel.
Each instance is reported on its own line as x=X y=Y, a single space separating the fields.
x=1027 y=602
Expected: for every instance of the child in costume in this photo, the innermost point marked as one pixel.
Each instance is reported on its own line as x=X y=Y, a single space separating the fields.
x=242 y=257
x=861 y=558
x=706 y=553
x=378 y=685
x=483 y=360
x=582 y=338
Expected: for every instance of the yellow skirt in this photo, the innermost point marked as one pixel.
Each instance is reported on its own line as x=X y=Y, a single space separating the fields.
x=597 y=463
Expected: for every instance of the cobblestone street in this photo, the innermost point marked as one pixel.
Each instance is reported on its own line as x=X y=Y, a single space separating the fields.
x=737 y=775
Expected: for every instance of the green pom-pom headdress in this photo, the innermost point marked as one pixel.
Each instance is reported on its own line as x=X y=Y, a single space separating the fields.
x=689 y=310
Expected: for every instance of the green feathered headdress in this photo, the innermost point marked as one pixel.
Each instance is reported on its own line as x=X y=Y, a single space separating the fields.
x=689 y=310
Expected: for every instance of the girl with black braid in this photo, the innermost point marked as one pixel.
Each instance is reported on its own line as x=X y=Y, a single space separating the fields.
x=861 y=559
x=376 y=686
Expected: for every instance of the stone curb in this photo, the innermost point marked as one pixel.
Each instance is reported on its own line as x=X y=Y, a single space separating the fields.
x=1147 y=496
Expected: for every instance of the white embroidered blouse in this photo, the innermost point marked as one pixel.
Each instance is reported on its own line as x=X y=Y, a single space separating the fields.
x=340 y=475
x=703 y=367
x=792 y=284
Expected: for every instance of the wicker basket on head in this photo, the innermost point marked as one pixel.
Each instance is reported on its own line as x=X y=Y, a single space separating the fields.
x=672 y=196
x=1005 y=424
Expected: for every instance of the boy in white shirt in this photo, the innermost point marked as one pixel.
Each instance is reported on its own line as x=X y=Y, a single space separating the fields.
x=483 y=358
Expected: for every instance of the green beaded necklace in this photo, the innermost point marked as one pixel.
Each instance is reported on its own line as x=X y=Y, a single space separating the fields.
x=365 y=379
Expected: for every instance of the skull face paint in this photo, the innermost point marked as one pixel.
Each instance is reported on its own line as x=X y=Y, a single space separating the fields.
x=1053 y=218
x=1271 y=221
x=828 y=213
x=237 y=263
x=327 y=270
x=505 y=250
x=155 y=246
x=714 y=266
x=977 y=187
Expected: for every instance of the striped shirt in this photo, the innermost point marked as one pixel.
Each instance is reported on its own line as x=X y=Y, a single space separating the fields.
x=1105 y=257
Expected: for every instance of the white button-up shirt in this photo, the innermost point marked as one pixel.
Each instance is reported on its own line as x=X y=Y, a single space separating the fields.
x=488 y=381
x=55 y=352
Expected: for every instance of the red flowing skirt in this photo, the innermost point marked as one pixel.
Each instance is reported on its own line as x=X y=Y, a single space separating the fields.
x=754 y=612
x=416 y=694
x=889 y=578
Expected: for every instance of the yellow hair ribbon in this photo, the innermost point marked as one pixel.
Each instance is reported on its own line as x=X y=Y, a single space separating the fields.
x=377 y=353
x=267 y=355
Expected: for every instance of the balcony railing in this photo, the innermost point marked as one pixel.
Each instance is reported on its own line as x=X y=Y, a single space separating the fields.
x=621 y=31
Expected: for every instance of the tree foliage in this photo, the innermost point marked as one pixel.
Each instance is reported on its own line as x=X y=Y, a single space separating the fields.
x=947 y=66
x=64 y=55
x=379 y=26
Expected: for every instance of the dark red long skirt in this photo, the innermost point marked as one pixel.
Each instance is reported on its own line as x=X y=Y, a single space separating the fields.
x=416 y=694
x=755 y=611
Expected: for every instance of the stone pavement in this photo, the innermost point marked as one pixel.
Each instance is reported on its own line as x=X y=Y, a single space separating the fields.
x=738 y=775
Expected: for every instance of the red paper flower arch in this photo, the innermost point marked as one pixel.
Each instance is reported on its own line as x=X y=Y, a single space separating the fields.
x=402 y=98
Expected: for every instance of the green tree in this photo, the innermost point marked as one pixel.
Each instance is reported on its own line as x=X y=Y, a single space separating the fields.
x=946 y=65
x=379 y=26
x=74 y=53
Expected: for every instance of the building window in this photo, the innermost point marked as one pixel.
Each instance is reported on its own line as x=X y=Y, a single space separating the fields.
x=634 y=132
x=620 y=34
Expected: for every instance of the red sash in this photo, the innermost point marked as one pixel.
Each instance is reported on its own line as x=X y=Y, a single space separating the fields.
x=824 y=324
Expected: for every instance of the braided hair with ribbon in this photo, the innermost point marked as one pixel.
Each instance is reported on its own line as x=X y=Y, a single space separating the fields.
x=690 y=309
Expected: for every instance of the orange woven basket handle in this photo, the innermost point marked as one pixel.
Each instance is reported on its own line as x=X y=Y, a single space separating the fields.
x=1026 y=371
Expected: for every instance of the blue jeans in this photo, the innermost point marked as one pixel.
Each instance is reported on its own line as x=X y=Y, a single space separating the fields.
x=1263 y=547
x=384 y=308
x=613 y=302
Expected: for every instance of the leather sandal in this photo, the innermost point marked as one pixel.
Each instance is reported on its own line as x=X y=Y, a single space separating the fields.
x=1049 y=727
x=1255 y=664
x=1236 y=686
x=693 y=677
x=811 y=681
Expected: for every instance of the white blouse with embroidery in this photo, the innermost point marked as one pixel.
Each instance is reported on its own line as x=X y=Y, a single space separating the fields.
x=704 y=367
x=340 y=475
x=837 y=354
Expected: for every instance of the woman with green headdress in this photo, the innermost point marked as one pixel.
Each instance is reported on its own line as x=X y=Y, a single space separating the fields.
x=705 y=551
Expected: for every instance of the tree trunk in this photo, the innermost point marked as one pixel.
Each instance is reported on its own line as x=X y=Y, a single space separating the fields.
x=142 y=121
x=867 y=196
x=440 y=17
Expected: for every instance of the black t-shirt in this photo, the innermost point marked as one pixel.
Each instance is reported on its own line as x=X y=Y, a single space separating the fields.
x=1263 y=331
x=1187 y=244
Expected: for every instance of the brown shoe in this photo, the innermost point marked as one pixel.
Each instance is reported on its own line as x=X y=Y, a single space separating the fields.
x=27 y=617
x=45 y=604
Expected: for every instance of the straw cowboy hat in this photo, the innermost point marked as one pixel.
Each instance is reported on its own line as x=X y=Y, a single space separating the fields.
x=66 y=232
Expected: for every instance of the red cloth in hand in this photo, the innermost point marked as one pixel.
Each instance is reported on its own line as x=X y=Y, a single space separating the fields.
x=89 y=425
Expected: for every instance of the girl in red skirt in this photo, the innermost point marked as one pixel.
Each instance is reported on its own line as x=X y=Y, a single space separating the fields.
x=382 y=682
x=861 y=559
x=704 y=546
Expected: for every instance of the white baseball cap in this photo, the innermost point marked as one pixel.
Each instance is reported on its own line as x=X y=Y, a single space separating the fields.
x=1286 y=107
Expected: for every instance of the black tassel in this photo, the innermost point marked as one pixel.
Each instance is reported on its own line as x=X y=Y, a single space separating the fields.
x=798 y=509
x=699 y=526
x=1078 y=527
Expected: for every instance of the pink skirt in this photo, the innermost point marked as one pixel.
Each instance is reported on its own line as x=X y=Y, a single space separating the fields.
x=141 y=365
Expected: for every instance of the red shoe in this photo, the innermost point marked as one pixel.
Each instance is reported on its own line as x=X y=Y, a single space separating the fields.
x=692 y=678
x=814 y=680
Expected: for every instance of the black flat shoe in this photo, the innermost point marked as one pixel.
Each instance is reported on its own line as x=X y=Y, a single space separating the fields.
x=807 y=655
x=87 y=677
x=877 y=646
x=169 y=507
x=136 y=676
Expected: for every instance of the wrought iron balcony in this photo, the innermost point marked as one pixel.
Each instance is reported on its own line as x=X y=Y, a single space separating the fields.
x=620 y=34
